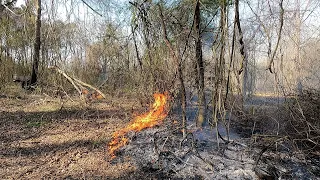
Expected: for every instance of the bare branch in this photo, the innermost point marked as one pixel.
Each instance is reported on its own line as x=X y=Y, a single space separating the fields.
x=279 y=36
x=5 y=5
x=84 y=2
x=67 y=77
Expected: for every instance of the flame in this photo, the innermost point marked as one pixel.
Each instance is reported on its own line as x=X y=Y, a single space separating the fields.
x=149 y=119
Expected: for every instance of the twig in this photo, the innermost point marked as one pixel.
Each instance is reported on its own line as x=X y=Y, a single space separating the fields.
x=198 y=154
x=180 y=159
x=165 y=142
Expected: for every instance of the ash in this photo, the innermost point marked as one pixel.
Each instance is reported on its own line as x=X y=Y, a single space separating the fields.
x=162 y=153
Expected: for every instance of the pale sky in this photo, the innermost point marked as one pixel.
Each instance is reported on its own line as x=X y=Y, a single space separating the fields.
x=20 y=2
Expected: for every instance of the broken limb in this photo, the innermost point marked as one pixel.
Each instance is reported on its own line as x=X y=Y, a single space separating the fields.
x=56 y=68
x=77 y=84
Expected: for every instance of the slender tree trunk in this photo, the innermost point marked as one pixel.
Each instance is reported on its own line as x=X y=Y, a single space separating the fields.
x=242 y=50
x=231 y=60
x=43 y=55
x=279 y=37
x=244 y=61
x=143 y=15
x=217 y=99
x=37 y=43
x=7 y=45
x=136 y=48
x=200 y=68
x=297 y=39
x=177 y=59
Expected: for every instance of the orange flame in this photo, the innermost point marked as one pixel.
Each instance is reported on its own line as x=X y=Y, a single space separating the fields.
x=149 y=119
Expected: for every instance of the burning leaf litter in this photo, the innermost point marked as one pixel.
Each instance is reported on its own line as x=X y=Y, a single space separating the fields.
x=155 y=116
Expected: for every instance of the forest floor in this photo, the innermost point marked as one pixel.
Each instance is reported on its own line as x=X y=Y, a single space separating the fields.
x=43 y=138
x=40 y=138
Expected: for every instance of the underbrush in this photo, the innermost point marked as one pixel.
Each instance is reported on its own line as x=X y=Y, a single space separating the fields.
x=296 y=119
x=291 y=127
x=302 y=122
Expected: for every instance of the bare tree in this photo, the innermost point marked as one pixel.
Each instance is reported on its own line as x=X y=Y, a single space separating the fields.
x=177 y=60
x=37 y=44
x=136 y=47
x=279 y=36
x=200 y=67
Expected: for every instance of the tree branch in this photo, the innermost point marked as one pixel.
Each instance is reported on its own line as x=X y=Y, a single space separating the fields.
x=91 y=8
x=279 y=37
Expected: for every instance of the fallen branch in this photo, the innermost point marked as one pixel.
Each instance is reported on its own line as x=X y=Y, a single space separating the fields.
x=88 y=85
x=266 y=148
x=76 y=82
x=67 y=77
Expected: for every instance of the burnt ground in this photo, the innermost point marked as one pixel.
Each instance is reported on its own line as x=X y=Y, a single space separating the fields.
x=49 y=138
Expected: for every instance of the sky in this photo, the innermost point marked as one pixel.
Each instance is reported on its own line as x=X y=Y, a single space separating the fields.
x=20 y=2
x=76 y=10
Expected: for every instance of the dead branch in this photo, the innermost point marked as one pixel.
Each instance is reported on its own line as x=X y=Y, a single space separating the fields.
x=279 y=37
x=84 y=2
x=56 y=68
x=76 y=82
x=88 y=85
x=196 y=152
x=266 y=148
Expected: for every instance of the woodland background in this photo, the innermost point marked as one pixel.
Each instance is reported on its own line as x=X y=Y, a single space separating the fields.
x=229 y=54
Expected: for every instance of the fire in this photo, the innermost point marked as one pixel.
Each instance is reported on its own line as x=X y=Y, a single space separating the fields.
x=153 y=117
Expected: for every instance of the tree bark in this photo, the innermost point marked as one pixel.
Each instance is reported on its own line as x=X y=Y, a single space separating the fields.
x=37 y=44
x=242 y=50
x=200 y=68
x=244 y=61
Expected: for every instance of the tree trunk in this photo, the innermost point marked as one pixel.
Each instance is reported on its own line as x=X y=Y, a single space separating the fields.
x=242 y=50
x=244 y=61
x=136 y=48
x=177 y=61
x=200 y=68
x=37 y=43
x=297 y=39
x=217 y=100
